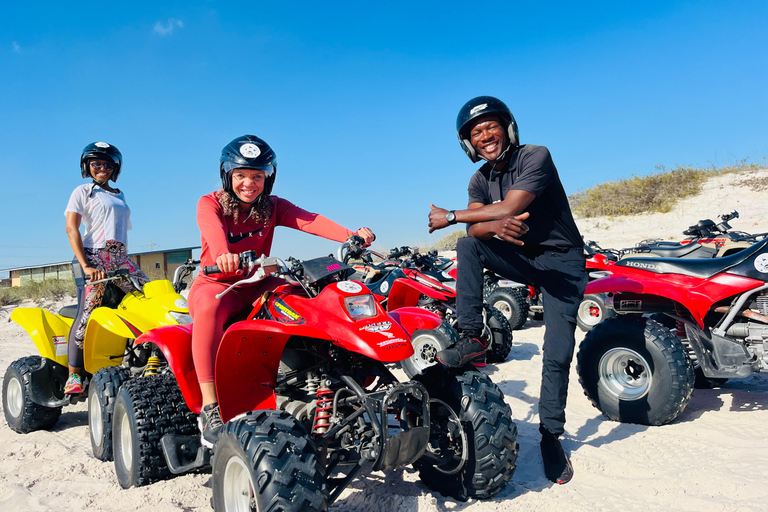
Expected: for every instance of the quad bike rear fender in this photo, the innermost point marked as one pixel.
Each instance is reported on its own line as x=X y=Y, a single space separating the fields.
x=695 y=294
x=48 y=331
x=175 y=342
x=247 y=363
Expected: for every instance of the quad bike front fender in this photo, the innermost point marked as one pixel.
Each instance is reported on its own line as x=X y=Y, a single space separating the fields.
x=106 y=336
x=406 y=292
x=693 y=293
x=247 y=363
x=48 y=331
x=413 y=319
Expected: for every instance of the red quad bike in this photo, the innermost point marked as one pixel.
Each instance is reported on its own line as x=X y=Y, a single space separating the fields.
x=676 y=318
x=305 y=389
x=406 y=286
x=705 y=240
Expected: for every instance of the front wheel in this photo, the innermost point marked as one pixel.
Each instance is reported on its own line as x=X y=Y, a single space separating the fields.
x=634 y=370
x=266 y=461
x=102 y=394
x=22 y=414
x=472 y=450
x=592 y=311
x=146 y=409
x=426 y=344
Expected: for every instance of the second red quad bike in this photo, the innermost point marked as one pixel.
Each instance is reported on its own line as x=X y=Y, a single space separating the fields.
x=676 y=317
x=408 y=283
x=305 y=388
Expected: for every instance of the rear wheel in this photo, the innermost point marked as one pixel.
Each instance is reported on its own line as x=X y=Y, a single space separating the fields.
x=427 y=343
x=512 y=304
x=499 y=335
x=22 y=414
x=472 y=450
x=266 y=461
x=701 y=381
x=102 y=394
x=634 y=370
x=146 y=409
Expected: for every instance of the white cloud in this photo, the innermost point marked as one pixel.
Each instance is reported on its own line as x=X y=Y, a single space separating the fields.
x=16 y=47
x=166 y=28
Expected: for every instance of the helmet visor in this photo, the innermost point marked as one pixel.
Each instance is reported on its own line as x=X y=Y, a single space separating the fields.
x=230 y=166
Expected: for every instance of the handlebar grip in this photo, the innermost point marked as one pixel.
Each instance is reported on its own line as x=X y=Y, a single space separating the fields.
x=213 y=269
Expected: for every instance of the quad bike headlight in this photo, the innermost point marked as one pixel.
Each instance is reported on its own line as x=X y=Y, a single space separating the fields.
x=360 y=306
x=181 y=318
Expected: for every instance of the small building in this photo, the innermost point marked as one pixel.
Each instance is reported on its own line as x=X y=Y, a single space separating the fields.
x=156 y=264
x=162 y=264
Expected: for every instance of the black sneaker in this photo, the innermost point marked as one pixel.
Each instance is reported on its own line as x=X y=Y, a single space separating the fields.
x=557 y=466
x=469 y=349
x=210 y=424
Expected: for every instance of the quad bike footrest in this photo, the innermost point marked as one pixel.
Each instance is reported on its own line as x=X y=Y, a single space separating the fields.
x=404 y=417
x=184 y=453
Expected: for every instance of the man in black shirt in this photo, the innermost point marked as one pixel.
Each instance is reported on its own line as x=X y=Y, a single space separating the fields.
x=520 y=226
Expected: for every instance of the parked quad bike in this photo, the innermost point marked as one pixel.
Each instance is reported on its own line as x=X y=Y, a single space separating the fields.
x=706 y=239
x=509 y=297
x=33 y=387
x=405 y=285
x=635 y=369
x=304 y=388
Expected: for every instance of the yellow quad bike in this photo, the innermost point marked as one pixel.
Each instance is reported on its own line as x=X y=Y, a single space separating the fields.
x=33 y=386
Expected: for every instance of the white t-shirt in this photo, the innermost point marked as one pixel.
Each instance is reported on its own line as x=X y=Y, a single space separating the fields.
x=106 y=215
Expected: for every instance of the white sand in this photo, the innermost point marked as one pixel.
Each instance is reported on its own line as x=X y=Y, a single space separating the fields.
x=712 y=458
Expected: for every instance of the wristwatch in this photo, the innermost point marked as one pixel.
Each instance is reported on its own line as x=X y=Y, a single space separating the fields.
x=451 y=217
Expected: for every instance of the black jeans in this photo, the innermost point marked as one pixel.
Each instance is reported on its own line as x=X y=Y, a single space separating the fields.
x=560 y=277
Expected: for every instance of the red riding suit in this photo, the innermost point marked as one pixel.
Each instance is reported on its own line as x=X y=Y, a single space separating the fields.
x=221 y=234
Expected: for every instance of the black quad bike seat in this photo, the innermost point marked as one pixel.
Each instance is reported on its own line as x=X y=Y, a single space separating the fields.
x=703 y=268
x=68 y=311
x=692 y=250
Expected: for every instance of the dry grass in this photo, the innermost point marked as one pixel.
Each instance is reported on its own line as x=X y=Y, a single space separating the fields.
x=447 y=243
x=647 y=194
x=45 y=290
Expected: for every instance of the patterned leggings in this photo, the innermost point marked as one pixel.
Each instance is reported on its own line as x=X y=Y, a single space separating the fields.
x=112 y=257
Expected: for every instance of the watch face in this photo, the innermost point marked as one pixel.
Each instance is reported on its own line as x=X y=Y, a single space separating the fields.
x=451 y=217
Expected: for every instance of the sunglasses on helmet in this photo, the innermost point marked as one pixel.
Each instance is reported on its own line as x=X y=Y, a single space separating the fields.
x=97 y=166
x=269 y=169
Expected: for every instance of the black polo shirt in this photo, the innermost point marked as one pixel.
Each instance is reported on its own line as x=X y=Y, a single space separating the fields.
x=551 y=224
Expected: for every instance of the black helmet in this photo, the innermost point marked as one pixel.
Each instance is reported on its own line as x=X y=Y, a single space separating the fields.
x=101 y=151
x=480 y=106
x=249 y=152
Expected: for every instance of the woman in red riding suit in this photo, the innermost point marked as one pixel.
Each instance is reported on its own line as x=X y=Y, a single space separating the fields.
x=241 y=216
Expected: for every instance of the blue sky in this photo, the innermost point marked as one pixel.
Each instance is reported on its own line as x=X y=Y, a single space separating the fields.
x=359 y=100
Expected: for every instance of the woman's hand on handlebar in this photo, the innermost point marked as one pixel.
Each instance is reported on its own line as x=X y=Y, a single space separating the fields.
x=229 y=263
x=366 y=234
x=94 y=274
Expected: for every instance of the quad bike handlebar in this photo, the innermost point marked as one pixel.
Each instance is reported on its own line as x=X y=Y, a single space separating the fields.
x=354 y=248
x=113 y=275
x=181 y=273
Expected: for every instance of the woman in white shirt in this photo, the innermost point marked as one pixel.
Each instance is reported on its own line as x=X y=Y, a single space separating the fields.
x=107 y=219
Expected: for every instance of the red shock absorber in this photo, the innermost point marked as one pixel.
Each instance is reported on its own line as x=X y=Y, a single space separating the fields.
x=323 y=409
